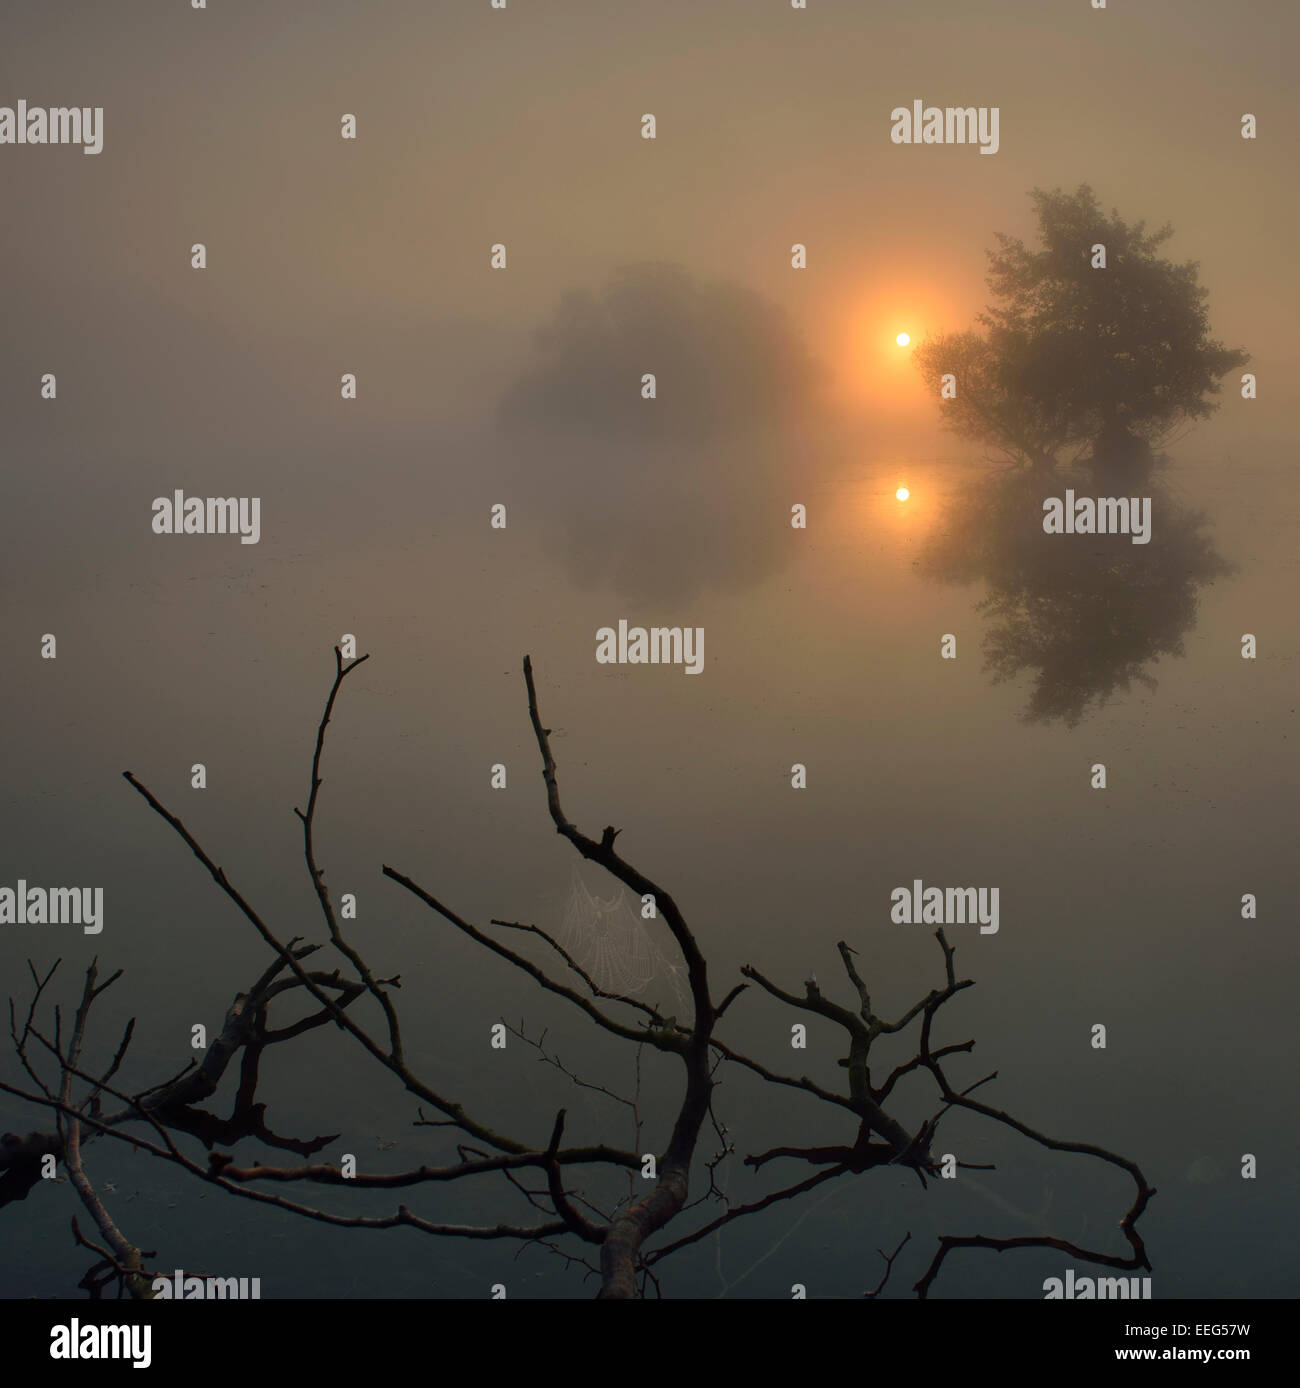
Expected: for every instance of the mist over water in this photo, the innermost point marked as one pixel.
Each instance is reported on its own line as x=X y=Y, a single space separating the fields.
x=1120 y=907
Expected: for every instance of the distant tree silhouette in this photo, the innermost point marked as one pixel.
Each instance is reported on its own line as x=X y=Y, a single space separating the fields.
x=1086 y=620
x=1077 y=360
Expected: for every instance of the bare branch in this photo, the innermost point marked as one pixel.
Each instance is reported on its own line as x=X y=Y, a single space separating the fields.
x=651 y=1012
x=341 y=672
x=664 y=1040
x=740 y=1211
x=578 y=1223
x=604 y=854
x=889 y=1265
x=124 y=1253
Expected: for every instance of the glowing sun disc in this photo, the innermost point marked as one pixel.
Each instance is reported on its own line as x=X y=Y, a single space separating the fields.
x=902 y=339
x=902 y=493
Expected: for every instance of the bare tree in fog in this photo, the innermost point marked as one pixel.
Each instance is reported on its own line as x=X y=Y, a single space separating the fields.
x=611 y=1213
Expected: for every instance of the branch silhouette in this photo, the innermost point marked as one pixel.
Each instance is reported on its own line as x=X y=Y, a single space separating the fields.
x=639 y=1231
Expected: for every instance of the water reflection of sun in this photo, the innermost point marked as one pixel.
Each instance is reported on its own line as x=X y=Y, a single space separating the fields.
x=896 y=505
x=883 y=517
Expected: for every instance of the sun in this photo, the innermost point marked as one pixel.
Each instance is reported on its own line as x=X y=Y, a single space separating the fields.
x=902 y=339
x=902 y=493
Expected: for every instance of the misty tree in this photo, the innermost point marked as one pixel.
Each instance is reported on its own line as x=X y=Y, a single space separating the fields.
x=1096 y=347
x=613 y=1214
x=1085 y=622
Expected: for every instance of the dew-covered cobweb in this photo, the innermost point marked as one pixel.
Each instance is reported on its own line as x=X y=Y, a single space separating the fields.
x=622 y=953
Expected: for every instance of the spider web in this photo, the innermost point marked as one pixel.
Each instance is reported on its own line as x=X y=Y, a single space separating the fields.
x=609 y=941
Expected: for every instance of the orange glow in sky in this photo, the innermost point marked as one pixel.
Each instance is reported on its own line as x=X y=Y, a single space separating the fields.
x=876 y=359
